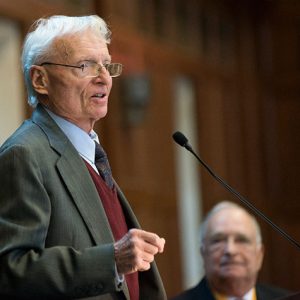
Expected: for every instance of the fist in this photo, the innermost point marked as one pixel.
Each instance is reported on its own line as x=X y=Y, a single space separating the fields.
x=136 y=250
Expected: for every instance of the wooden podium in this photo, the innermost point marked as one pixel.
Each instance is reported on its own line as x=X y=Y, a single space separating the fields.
x=291 y=297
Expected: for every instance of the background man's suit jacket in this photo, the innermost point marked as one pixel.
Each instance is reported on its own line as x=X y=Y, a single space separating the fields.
x=55 y=239
x=203 y=292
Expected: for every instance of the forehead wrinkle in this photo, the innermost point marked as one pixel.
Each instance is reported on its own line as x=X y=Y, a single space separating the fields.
x=231 y=221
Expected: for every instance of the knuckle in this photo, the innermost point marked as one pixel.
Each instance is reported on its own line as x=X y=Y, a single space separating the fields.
x=132 y=232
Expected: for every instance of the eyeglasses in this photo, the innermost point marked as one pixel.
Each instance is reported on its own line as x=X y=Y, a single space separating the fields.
x=92 y=69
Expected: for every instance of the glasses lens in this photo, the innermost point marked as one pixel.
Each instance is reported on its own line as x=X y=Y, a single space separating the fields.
x=114 y=69
x=94 y=69
x=83 y=70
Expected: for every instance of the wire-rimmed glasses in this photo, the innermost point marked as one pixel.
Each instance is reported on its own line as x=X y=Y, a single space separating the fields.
x=92 y=69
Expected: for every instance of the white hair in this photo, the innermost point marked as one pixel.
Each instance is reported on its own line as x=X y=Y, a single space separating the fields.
x=224 y=205
x=38 y=42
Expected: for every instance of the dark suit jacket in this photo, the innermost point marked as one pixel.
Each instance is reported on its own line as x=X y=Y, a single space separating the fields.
x=55 y=239
x=203 y=292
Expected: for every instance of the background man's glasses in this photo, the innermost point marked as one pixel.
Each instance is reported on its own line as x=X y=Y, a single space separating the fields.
x=92 y=69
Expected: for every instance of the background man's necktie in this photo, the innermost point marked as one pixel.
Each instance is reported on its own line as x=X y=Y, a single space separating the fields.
x=102 y=165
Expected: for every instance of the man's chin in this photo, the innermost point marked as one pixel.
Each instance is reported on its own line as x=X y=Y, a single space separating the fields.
x=232 y=271
x=100 y=114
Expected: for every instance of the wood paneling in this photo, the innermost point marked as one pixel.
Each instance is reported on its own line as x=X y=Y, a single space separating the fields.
x=29 y=10
x=248 y=118
x=243 y=57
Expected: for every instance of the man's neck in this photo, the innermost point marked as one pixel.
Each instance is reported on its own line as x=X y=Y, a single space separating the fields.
x=250 y=295
x=232 y=288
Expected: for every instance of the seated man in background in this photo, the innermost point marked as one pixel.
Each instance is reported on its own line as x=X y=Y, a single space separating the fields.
x=232 y=251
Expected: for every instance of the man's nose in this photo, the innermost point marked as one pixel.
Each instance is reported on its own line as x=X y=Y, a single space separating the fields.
x=230 y=246
x=103 y=77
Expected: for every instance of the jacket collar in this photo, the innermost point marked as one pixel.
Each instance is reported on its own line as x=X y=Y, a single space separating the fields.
x=76 y=177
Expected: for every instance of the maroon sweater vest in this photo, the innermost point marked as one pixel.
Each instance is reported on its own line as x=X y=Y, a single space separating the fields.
x=116 y=218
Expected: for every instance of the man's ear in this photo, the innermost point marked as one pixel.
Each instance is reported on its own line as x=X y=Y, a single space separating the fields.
x=39 y=79
x=260 y=255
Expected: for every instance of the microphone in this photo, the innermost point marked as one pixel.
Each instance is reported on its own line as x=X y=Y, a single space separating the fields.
x=181 y=140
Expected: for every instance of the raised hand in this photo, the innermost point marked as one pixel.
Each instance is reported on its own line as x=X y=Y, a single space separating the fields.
x=136 y=250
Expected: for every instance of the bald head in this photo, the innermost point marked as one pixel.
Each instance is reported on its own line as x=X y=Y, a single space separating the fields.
x=228 y=205
x=232 y=249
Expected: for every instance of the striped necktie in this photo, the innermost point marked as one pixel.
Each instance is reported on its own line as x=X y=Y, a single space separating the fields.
x=102 y=165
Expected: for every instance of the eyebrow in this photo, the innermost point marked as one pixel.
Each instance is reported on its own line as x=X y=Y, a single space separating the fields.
x=235 y=235
x=105 y=61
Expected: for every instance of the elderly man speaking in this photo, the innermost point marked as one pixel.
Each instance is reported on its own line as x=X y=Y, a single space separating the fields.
x=66 y=229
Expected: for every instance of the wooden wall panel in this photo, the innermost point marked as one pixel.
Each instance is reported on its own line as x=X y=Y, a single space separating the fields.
x=243 y=128
x=243 y=58
x=28 y=10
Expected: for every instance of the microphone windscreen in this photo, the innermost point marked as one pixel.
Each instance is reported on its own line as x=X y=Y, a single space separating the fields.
x=180 y=138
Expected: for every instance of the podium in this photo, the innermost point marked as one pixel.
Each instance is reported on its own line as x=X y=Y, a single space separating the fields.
x=290 y=297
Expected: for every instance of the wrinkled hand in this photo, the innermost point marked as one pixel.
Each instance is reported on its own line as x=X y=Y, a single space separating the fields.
x=136 y=250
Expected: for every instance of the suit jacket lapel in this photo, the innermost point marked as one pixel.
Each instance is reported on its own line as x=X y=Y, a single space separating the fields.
x=86 y=199
x=74 y=171
x=76 y=178
x=85 y=196
x=203 y=290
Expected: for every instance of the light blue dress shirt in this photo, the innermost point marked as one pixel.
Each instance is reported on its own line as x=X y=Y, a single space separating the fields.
x=84 y=143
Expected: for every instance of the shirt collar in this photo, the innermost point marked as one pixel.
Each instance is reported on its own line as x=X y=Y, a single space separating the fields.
x=82 y=141
x=248 y=296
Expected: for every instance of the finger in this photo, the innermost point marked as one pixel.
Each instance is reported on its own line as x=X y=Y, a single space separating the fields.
x=141 y=264
x=158 y=244
x=161 y=245
x=152 y=239
x=148 y=248
x=144 y=266
x=147 y=257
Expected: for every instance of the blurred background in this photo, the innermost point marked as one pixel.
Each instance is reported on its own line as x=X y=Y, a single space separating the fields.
x=224 y=72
